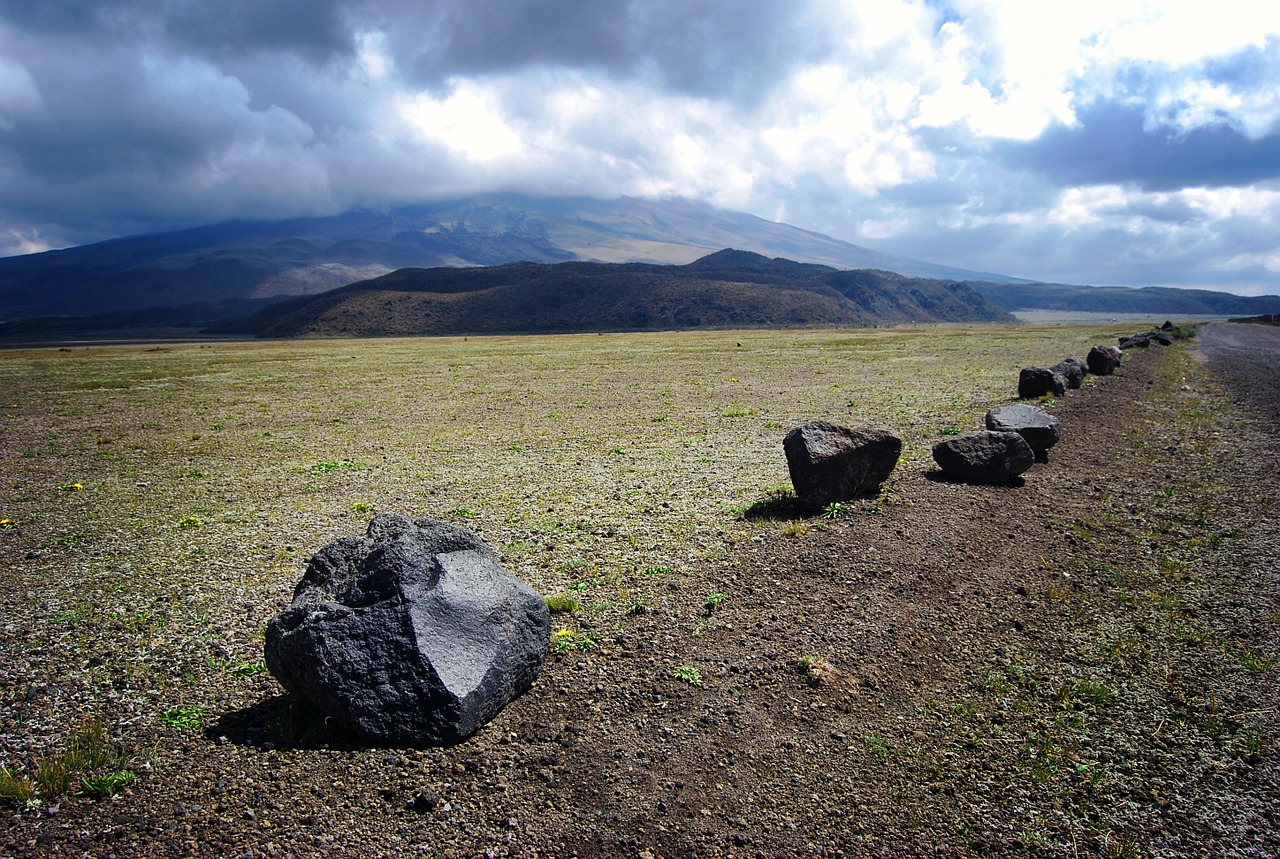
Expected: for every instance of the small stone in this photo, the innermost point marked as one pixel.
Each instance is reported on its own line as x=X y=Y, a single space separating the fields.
x=424 y=802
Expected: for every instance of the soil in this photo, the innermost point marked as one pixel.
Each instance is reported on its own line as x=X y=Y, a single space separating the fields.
x=1082 y=663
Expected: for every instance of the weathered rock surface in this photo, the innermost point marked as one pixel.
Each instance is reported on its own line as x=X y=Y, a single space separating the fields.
x=831 y=463
x=411 y=635
x=1040 y=429
x=1035 y=382
x=984 y=456
x=1135 y=341
x=1103 y=360
x=1072 y=370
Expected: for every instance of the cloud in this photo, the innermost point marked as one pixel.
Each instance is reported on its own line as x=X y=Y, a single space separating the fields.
x=1112 y=142
x=1101 y=141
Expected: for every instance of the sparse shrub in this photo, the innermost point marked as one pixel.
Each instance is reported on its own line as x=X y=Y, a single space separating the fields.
x=835 y=510
x=566 y=640
x=88 y=761
x=183 y=718
x=249 y=669
x=562 y=604
x=14 y=786
x=815 y=669
x=794 y=529
x=877 y=745
x=686 y=674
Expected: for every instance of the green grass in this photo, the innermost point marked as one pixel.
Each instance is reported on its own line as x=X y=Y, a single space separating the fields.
x=183 y=719
x=686 y=674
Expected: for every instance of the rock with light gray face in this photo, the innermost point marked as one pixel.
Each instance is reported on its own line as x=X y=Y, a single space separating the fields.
x=413 y=635
x=1040 y=429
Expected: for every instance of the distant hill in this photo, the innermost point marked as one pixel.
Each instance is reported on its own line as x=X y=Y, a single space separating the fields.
x=1157 y=300
x=728 y=289
x=241 y=261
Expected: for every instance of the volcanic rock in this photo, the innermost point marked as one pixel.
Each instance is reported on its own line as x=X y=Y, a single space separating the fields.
x=984 y=456
x=1035 y=382
x=1103 y=360
x=1072 y=370
x=1040 y=429
x=412 y=635
x=831 y=463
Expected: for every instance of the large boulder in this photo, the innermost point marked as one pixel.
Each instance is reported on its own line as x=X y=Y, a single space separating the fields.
x=412 y=635
x=1040 y=429
x=831 y=463
x=984 y=456
x=1035 y=382
x=1072 y=370
x=1103 y=360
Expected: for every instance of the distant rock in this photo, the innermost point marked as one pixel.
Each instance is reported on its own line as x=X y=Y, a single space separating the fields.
x=1134 y=341
x=412 y=635
x=831 y=463
x=1072 y=370
x=1040 y=429
x=1034 y=382
x=984 y=456
x=1103 y=360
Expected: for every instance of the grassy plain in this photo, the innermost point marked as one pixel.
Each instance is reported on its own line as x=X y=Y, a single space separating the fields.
x=589 y=462
x=981 y=668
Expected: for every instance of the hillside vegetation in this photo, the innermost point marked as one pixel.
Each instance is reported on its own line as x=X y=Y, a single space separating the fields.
x=728 y=289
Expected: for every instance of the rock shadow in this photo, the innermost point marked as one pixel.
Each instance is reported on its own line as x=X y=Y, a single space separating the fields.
x=937 y=475
x=281 y=722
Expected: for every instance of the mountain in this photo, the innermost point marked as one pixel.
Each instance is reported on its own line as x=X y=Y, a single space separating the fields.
x=727 y=289
x=1158 y=300
x=227 y=263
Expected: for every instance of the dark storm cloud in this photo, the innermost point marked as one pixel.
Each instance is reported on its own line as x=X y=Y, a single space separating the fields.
x=315 y=29
x=733 y=50
x=1111 y=145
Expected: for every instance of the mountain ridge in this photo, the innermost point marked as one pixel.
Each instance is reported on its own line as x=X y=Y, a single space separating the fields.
x=727 y=289
x=243 y=260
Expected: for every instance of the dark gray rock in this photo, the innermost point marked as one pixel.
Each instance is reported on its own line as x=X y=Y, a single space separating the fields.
x=1035 y=382
x=831 y=463
x=412 y=635
x=1072 y=370
x=1160 y=337
x=1103 y=360
x=984 y=456
x=1040 y=429
x=1135 y=341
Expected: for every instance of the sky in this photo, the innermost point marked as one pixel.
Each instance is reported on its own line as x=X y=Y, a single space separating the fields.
x=1123 y=142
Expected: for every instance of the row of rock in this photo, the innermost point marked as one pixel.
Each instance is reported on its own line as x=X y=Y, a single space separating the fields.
x=1067 y=374
x=1163 y=336
x=830 y=463
x=415 y=634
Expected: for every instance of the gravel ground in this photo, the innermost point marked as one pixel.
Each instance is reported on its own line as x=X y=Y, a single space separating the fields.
x=1080 y=664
